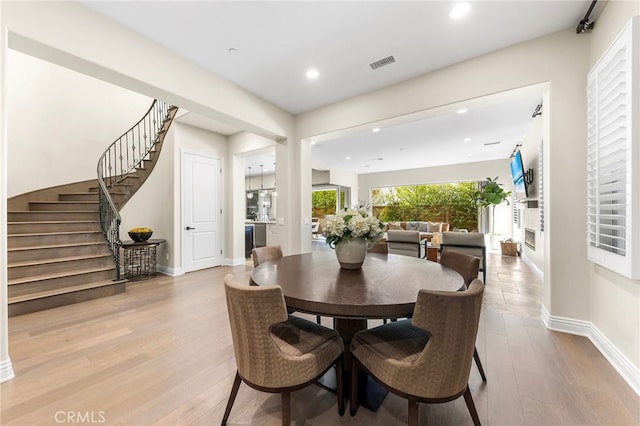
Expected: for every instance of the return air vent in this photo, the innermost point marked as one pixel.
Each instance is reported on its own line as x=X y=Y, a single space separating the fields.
x=382 y=62
x=492 y=143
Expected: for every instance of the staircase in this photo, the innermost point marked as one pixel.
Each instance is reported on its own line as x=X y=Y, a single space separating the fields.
x=59 y=249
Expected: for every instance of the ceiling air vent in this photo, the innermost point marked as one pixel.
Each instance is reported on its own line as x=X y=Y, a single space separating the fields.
x=491 y=143
x=382 y=62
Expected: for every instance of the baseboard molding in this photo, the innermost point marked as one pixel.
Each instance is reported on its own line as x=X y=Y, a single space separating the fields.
x=235 y=262
x=533 y=266
x=6 y=370
x=174 y=272
x=629 y=372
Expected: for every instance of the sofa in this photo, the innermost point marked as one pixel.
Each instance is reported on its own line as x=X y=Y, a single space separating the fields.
x=425 y=229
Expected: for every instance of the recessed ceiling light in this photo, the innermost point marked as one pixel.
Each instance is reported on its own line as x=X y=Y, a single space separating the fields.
x=232 y=50
x=312 y=74
x=462 y=110
x=469 y=155
x=467 y=139
x=313 y=142
x=459 y=10
x=375 y=129
x=347 y=158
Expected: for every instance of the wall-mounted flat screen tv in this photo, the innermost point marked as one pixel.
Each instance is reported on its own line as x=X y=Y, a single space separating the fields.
x=517 y=174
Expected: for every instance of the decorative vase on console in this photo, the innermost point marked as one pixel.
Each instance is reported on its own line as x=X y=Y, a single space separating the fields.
x=348 y=233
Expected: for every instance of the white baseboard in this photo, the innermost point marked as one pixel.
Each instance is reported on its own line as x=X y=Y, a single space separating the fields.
x=167 y=270
x=629 y=372
x=533 y=266
x=6 y=370
x=235 y=262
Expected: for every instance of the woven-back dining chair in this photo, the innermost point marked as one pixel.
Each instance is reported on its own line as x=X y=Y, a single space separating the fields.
x=264 y=254
x=467 y=266
x=426 y=359
x=267 y=253
x=469 y=243
x=276 y=352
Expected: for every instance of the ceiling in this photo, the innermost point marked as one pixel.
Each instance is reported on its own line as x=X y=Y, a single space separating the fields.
x=266 y=47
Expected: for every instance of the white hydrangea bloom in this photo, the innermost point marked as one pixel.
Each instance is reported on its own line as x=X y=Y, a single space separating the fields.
x=358 y=226
x=351 y=223
x=334 y=226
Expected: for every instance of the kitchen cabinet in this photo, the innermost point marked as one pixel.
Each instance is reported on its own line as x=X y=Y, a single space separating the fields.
x=272 y=234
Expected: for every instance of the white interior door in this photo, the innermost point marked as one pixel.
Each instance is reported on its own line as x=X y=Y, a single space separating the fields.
x=202 y=212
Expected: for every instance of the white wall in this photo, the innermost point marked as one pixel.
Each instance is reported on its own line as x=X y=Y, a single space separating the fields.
x=530 y=217
x=60 y=122
x=6 y=369
x=615 y=300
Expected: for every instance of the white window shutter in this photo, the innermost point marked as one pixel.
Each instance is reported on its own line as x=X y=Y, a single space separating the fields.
x=613 y=156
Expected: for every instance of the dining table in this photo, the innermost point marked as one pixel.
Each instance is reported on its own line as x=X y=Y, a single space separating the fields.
x=386 y=287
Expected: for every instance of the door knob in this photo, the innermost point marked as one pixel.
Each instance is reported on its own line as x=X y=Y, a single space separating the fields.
x=188 y=228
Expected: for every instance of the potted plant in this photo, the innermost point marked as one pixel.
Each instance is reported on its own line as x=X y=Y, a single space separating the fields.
x=490 y=195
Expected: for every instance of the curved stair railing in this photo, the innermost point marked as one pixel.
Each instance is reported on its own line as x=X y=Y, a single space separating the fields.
x=131 y=155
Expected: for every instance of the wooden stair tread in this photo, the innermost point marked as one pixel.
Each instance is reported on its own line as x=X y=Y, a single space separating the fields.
x=63 y=202
x=78 y=193
x=55 y=233
x=66 y=290
x=45 y=277
x=58 y=259
x=52 y=222
x=54 y=246
x=51 y=211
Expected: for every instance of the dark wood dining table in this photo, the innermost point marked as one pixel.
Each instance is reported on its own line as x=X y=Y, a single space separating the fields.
x=386 y=286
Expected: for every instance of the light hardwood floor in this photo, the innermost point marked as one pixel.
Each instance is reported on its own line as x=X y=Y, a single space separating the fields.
x=161 y=353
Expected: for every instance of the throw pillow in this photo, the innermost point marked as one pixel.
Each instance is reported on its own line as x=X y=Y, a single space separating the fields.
x=394 y=225
x=413 y=226
x=434 y=226
x=423 y=227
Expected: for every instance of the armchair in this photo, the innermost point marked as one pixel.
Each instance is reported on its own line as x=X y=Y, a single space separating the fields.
x=404 y=242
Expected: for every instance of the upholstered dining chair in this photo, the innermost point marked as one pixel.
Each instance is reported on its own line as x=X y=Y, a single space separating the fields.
x=426 y=359
x=467 y=266
x=403 y=242
x=264 y=254
x=275 y=352
x=469 y=243
x=267 y=253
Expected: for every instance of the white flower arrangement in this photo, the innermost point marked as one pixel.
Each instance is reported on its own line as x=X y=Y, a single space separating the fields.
x=351 y=223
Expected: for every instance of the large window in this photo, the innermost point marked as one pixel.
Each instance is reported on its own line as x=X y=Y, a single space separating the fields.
x=326 y=201
x=613 y=158
x=453 y=203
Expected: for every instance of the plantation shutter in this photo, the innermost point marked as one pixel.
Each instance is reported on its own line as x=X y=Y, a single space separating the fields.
x=610 y=166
